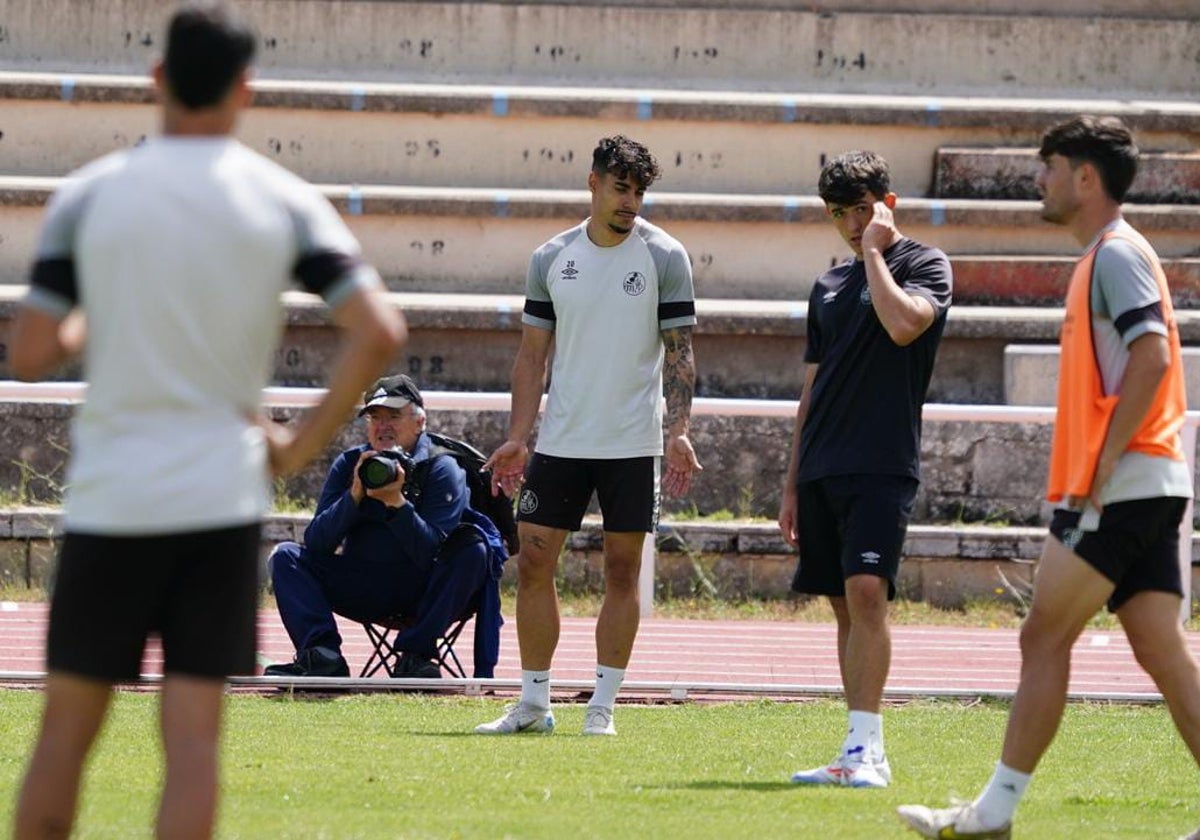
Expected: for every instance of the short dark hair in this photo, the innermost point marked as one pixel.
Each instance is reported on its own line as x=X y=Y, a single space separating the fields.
x=625 y=158
x=1104 y=142
x=208 y=47
x=845 y=179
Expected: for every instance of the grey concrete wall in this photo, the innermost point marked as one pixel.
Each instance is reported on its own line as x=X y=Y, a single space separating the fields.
x=972 y=472
x=948 y=566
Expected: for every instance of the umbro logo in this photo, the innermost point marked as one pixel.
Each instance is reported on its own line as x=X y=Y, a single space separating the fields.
x=829 y=297
x=871 y=557
x=570 y=271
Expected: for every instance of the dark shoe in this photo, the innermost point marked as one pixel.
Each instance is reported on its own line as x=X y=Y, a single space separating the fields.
x=412 y=666
x=311 y=662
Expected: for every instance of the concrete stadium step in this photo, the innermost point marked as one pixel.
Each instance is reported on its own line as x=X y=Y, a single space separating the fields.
x=743 y=246
x=744 y=349
x=438 y=135
x=1134 y=50
x=1031 y=374
x=1163 y=177
x=1000 y=280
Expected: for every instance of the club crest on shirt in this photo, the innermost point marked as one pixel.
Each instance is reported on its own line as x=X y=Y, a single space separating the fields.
x=528 y=502
x=635 y=283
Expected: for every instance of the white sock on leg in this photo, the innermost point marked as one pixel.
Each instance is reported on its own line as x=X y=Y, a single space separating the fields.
x=865 y=737
x=608 y=683
x=535 y=688
x=1000 y=798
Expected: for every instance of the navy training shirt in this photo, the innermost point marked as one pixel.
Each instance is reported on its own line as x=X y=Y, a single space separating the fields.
x=864 y=414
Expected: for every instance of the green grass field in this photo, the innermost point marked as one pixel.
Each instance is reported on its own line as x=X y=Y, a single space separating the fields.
x=398 y=766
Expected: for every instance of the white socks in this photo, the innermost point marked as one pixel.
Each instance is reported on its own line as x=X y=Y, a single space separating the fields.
x=535 y=688
x=608 y=683
x=999 y=800
x=865 y=738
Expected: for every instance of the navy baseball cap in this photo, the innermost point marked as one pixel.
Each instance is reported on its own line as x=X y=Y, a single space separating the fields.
x=392 y=392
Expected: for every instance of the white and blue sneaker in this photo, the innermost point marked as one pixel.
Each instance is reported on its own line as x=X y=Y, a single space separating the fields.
x=854 y=768
x=598 y=720
x=517 y=718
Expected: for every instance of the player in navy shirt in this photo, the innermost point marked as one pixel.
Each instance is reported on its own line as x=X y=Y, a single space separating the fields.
x=874 y=324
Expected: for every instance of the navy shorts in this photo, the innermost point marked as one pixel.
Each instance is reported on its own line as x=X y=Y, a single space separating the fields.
x=1135 y=545
x=851 y=525
x=198 y=591
x=557 y=492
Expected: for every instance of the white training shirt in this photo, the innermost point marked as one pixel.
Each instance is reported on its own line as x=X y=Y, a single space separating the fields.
x=177 y=251
x=607 y=308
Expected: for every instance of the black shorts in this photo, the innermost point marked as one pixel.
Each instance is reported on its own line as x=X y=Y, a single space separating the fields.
x=198 y=591
x=851 y=525
x=1135 y=545
x=557 y=492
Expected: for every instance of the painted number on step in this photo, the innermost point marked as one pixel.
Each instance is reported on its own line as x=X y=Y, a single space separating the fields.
x=701 y=54
x=698 y=160
x=422 y=148
x=421 y=48
x=832 y=61
x=435 y=247
x=290 y=357
x=556 y=52
x=432 y=365
x=544 y=155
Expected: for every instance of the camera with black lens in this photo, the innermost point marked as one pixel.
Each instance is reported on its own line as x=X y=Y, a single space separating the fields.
x=384 y=467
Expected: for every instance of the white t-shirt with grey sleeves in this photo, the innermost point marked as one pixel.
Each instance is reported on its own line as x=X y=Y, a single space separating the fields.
x=607 y=307
x=177 y=252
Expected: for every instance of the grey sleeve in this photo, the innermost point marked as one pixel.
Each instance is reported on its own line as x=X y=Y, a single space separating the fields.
x=1125 y=290
x=539 y=308
x=676 y=295
x=328 y=259
x=52 y=284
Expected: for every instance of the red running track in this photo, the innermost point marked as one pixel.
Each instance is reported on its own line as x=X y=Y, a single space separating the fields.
x=770 y=653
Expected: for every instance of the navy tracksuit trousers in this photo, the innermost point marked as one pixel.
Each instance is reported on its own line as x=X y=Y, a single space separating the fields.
x=311 y=587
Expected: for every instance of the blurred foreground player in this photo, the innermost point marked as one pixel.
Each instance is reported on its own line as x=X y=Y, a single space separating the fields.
x=176 y=252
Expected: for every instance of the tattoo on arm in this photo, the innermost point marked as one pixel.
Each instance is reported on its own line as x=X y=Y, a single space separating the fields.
x=679 y=375
x=537 y=541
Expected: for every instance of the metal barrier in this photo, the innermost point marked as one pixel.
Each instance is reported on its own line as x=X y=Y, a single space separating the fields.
x=461 y=401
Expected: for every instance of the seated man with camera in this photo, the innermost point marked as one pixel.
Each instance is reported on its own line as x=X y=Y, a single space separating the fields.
x=378 y=545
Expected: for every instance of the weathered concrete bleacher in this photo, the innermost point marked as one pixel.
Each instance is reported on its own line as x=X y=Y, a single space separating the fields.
x=1143 y=47
x=744 y=349
x=455 y=137
x=1163 y=177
